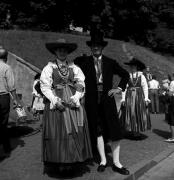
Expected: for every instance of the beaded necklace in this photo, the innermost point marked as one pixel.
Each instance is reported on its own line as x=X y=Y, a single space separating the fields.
x=134 y=80
x=63 y=70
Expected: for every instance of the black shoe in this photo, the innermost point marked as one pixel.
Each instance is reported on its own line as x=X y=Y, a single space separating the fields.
x=122 y=170
x=101 y=168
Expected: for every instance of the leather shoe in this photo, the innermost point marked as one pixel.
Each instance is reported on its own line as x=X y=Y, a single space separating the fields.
x=101 y=168
x=122 y=170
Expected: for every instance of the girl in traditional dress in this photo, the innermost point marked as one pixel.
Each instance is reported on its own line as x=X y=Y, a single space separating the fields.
x=65 y=130
x=135 y=115
x=37 y=104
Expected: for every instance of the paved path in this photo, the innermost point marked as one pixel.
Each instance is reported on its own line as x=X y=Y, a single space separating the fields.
x=163 y=171
x=25 y=161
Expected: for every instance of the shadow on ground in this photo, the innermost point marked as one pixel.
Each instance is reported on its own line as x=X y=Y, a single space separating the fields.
x=16 y=133
x=135 y=137
x=19 y=131
x=66 y=171
x=162 y=133
x=23 y=131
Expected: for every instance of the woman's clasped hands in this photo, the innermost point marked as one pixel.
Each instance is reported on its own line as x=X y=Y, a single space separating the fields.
x=59 y=105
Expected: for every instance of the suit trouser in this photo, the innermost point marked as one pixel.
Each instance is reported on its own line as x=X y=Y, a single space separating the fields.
x=4 y=115
x=154 y=97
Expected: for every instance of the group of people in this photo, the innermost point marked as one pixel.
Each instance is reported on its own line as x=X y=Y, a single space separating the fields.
x=80 y=113
x=75 y=100
x=167 y=93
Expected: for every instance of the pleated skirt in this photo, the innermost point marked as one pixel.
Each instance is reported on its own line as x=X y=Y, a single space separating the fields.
x=135 y=116
x=58 y=146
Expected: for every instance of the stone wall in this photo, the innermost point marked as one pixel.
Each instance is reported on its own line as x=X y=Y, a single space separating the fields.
x=24 y=76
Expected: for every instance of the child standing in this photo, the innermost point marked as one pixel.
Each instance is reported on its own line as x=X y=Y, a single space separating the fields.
x=37 y=105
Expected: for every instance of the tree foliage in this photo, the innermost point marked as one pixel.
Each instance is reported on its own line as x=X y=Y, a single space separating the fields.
x=146 y=22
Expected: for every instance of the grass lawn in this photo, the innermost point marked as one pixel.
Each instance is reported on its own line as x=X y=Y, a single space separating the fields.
x=30 y=46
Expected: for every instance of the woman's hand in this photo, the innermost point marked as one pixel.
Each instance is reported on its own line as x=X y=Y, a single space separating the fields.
x=60 y=106
x=147 y=101
x=113 y=92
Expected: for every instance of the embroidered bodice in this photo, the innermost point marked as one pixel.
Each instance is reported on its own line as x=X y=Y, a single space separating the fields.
x=58 y=78
x=134 y=82
x=53 y=75
x=137 y=81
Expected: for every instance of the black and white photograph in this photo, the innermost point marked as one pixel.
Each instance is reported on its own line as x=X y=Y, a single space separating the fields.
x=87 y=90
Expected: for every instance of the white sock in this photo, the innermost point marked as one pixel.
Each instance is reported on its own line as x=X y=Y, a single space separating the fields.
x=101 y=150
x=116 y=153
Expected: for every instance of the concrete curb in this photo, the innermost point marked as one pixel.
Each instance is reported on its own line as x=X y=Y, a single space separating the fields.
x=139 y=169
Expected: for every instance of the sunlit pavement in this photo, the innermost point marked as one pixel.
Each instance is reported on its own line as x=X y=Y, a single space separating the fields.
x=162 y=171
x=25 y=160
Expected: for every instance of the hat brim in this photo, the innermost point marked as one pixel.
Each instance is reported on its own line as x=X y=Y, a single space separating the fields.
x=54 y=46
x=139 y=65
x=91 y=43
x=129 y=64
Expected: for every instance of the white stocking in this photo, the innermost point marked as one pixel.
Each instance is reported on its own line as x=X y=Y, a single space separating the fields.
x=116 y=153
x=101 y=149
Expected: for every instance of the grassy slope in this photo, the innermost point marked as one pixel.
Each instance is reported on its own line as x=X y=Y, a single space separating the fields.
x=31 y=47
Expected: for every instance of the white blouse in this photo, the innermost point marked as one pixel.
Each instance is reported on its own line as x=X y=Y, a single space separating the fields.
x=165 y=83
x=47 y=81
x=35 y=93
x=171 y=87
x=143 y=84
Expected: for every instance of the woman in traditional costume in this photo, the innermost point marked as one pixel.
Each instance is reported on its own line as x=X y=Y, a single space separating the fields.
x=65 y=129
x=134 y=110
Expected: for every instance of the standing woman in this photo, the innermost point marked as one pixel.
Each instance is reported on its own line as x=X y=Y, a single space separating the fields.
x=65 y=130
x=135 y=115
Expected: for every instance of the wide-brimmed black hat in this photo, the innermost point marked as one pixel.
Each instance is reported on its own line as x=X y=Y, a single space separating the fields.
x=61 y=43
x=97 y=39
x=135 y=62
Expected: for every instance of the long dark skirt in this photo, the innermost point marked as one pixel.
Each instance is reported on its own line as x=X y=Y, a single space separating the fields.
x=58 y=145
x=169 y=115
x=135 y=115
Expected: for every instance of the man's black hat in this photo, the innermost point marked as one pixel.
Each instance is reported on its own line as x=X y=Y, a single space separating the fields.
x=97 y=39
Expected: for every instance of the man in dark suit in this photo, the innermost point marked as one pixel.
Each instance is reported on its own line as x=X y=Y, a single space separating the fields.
x=99 y=100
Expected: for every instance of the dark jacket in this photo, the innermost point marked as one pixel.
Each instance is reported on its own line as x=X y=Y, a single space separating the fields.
x=109 y=121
